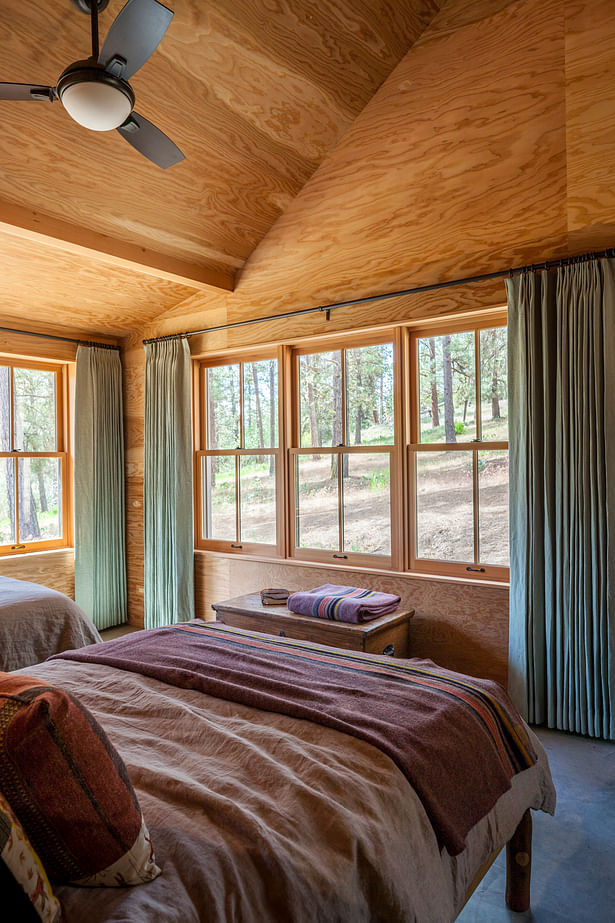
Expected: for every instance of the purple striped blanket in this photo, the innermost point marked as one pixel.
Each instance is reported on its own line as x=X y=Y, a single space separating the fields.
x=457 y=739
x=343 y=603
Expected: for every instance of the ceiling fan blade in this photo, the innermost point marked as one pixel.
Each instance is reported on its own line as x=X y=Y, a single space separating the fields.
x=150 y=141
x=136 y=32
x=27 y=91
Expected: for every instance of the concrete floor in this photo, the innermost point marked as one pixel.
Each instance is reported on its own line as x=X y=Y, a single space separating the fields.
x=573 y=862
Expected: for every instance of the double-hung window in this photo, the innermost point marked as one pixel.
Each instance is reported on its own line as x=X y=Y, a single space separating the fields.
x=343 y=460
x=239 y=462
x=458 y=459
x=34 y=506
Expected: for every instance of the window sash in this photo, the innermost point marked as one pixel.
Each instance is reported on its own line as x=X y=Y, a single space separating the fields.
x=61 y=454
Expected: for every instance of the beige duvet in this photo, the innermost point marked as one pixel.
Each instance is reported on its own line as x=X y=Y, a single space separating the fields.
x=258 y=817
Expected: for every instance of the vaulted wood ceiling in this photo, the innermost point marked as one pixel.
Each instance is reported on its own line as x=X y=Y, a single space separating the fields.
x=255 y=92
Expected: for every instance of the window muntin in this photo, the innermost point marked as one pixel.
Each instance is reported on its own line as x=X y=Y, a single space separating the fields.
x=346 y=446
x=239 y=471
x=33 y=457
x=459 y=463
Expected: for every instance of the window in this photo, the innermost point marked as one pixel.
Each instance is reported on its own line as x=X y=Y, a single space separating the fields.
x=344 y=455
x=33 y=457
x=239 y=465
x=459 y=453
x=384 y=450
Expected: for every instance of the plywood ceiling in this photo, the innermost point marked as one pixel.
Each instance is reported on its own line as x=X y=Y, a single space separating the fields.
x=255 y=92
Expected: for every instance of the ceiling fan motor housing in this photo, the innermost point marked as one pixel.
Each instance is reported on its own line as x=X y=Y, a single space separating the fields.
x=94 y=97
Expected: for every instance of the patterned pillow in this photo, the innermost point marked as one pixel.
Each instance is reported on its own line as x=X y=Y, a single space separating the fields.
x=29 y=889
x=69 y=788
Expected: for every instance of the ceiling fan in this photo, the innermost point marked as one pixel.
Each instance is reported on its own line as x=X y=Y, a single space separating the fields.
x=96 y=93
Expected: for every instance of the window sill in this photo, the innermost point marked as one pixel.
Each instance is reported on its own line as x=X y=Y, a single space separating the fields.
x=35 y=554
x=320 y=565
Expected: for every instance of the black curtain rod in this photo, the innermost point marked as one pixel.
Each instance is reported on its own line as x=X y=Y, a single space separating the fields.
x=51 y=336
x=327 y=308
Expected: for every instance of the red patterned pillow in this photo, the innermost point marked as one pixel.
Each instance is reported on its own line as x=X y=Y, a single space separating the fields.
x=69 y=788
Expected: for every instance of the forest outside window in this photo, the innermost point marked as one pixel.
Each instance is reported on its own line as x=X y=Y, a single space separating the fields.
x=459 y=453
x=33 y=457
x=239 y=470
x=343 y=461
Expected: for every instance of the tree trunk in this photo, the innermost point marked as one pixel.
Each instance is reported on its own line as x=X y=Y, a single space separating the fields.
x=5 y=422
x=212 y=436
x=272 y=413
x=435 y=414
x=359 y=415
x=42 y=493
x=337 y=436
x=259 y=415
x=449 y=409
x=28 y=520
x=312 y=409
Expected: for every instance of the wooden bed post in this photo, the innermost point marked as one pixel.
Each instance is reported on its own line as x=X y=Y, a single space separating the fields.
x=519 y=865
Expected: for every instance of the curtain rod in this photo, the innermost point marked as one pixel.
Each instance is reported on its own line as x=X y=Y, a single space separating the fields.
x=327 y=308
x=51 y=336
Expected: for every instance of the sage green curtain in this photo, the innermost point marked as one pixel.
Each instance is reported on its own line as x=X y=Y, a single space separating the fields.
x=100 y=561
x=169 y=545
x=562 y=496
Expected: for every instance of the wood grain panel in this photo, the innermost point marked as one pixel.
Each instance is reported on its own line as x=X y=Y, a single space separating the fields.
x=460 y=626
x=448 y=171
x=55 y=569
x=43 y=282
x=255 y=95
x=590 y=122
x=18 y=344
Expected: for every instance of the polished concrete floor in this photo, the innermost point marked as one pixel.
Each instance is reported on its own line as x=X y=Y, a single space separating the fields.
x=573 y=863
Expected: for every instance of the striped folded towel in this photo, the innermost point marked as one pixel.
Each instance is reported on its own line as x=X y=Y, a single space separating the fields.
x=342 y=603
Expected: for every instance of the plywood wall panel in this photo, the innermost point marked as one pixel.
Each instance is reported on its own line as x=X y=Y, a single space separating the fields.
x=460 y=626
x=55 y=569
x=590 y=122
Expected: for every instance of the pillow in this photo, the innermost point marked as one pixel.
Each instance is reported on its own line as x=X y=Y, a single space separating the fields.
x=26 y=892
x=69 y=788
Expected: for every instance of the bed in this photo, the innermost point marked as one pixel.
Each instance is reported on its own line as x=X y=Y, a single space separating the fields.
x=36 y=622
x=256 y=815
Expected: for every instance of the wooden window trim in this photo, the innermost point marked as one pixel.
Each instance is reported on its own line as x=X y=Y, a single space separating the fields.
x=476 y=570
x=403 y=452
x=200 y=367
x=343 y=342
x=61 y=371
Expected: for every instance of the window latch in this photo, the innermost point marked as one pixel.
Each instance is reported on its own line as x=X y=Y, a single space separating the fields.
x=236 y=546
x=17 y=547
x=340 y=555
x=476 y=570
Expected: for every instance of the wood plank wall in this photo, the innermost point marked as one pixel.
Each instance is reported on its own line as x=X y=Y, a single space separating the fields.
x=491 y=145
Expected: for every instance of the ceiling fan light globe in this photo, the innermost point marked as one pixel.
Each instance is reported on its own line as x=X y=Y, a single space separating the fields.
x=96 y=105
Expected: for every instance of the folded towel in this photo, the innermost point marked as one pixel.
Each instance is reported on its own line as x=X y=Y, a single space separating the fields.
x=342 y=603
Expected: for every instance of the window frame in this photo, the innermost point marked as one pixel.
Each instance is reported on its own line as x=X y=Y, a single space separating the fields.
x=62 y=453
x=342 y=342
x=202 y=451
x=475 y=569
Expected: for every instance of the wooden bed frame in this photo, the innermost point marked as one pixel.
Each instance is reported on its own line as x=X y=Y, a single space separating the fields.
x=518 y=867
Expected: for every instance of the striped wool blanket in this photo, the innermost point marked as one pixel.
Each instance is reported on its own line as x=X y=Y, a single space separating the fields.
x=458 y=740
x=342 y=603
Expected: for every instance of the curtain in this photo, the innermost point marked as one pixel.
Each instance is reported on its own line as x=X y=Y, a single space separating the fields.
x=100 y=564
x=562 y=496
x=169 y=546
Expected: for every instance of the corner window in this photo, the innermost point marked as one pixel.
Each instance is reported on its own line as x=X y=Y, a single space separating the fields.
x=459 y=457
x=239 y=467
x=33 y=457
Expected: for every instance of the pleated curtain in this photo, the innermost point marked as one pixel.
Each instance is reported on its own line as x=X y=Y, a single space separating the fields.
x=100 y=563
x=169 y=545
x=562 y=496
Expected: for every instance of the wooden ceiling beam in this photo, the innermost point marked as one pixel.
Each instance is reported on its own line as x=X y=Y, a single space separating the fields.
x=33 y=226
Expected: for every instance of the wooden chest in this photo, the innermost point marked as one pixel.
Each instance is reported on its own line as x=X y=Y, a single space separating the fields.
x=385 y=635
